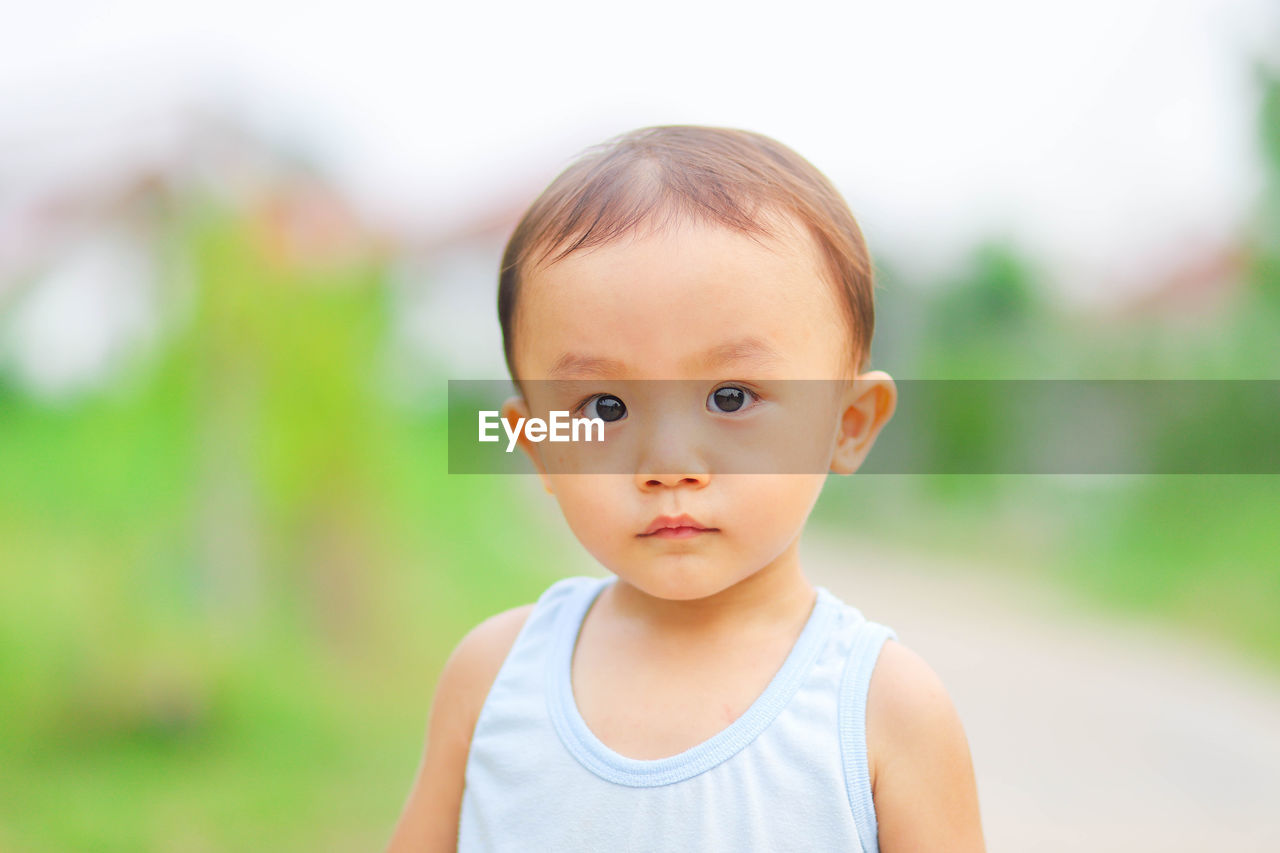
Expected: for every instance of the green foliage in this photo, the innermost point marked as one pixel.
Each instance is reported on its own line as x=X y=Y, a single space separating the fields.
x=227 y=581
x=988 y=321
x=1269 y=120
x=1266 y=237
x=1200 y=550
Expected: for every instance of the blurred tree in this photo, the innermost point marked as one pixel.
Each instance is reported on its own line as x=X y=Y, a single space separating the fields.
x=1266 y=237
x=286 y=372
x=996 y=290
x=987 y=320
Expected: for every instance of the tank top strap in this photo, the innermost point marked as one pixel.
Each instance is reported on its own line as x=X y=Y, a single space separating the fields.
x=517 y=688
x=867 y=641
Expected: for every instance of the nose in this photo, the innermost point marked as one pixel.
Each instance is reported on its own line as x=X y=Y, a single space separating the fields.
x=657 y=481
x=672 y=445
x=673 y=465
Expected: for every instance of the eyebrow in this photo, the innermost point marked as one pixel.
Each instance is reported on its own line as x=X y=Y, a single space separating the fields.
x=749 y=349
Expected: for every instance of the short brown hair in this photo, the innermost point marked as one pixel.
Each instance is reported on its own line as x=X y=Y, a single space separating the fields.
x=718 y=175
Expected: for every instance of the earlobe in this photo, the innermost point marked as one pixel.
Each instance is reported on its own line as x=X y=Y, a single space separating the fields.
x=515 y=411
x=864 y=410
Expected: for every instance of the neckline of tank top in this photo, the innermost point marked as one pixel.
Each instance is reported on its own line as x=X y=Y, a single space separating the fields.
x=612 y=766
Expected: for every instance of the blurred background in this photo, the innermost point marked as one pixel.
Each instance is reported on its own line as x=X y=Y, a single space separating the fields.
x=243 y=247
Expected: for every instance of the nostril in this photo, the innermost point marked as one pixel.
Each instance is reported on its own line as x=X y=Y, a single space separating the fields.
x=673 y=480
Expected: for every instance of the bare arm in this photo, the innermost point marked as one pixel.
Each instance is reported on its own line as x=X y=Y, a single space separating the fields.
x=926 y=797
x=429 y=822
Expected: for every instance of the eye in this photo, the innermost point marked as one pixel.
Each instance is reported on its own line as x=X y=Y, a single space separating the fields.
x=608 y=408
x=730 y=398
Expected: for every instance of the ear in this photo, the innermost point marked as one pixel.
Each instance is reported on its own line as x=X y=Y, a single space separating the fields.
x=512 y=410
x=864 y=410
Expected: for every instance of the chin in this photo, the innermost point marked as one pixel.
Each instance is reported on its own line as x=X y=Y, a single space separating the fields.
x=678 y=583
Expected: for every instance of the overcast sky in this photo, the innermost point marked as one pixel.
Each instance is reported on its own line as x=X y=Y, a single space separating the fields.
x=1109 y=135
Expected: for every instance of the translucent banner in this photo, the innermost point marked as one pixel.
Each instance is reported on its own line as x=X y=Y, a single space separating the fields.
x=940 y=427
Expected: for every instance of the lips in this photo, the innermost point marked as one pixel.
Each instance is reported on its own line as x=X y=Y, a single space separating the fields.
x=685 y=524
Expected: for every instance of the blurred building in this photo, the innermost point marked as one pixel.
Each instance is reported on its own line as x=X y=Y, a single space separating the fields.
x=89 y=267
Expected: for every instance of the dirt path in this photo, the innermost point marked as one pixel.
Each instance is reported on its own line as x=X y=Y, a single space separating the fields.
x=1087 y=733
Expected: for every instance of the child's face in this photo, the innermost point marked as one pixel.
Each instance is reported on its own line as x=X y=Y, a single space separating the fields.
x=657 y=304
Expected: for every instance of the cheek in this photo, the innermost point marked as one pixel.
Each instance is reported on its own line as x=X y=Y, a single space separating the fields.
x=776 y=502
x=585 y=501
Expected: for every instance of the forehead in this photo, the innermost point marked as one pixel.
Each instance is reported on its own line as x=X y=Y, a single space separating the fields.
x=673 y=302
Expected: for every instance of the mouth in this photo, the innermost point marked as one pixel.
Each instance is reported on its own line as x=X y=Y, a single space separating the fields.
x=676 y=527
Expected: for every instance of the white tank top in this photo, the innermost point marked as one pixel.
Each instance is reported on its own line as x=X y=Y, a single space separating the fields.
x=789 y=774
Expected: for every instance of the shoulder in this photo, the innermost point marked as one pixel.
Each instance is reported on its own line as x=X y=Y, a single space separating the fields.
x=469 y=673
x=429 y=820
x=473 y=665
x=906 y=701
x=921 y=771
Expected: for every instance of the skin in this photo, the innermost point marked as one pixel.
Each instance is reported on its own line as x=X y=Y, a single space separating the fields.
x=694 y=629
